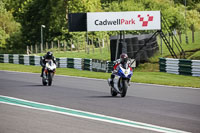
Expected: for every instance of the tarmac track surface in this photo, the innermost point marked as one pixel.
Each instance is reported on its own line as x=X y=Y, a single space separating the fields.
x=165 y=106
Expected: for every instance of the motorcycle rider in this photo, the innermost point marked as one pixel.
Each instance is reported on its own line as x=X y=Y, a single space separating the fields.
x=123 y=60
x=43 y=61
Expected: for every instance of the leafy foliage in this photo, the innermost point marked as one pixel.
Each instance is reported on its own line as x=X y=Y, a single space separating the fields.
x=193 y=19
x=21 y=20
x=8 y=25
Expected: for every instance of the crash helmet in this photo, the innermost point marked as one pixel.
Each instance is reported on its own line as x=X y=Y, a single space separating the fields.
x=49 y=55
x=123 y=58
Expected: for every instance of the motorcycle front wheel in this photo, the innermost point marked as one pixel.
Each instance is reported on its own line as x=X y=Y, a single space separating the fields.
x=113 y=92
x=50 y=77
x=124 y=88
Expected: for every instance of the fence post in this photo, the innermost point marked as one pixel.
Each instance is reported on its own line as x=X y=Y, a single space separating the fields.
x=36 y=49
x=31 y=48
x=47 y=47
x=27 y=50
x=92 y=45
x=71 y=44
x=103 y=43
x=100 y=45
x=64 y=45
x=85 y=47
x=88 y=48
x=41 y=47
x=78 y=46
x=58 y=45
x=52 y=44
x=107 y=43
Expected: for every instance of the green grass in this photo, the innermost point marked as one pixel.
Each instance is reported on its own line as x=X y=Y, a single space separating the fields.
x=166 y=79
x=138 y=76
x=184 y=45
x=101 y=54
x=195 y=56
x=145 y=73
x=105 y=54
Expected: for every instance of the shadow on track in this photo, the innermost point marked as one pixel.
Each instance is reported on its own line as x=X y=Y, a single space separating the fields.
x=104 y=97
x=33 y=85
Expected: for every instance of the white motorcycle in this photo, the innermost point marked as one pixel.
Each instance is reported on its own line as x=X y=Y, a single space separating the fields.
x=121 y=80
x=48 y=73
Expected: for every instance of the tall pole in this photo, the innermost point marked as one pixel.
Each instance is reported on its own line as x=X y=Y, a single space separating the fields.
x=42 y=26
x=41 y=39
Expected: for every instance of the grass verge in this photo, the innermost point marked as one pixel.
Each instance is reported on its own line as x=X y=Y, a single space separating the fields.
x=139 y=77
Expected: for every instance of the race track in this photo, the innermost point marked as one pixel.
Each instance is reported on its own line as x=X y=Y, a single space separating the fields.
x=174 y=108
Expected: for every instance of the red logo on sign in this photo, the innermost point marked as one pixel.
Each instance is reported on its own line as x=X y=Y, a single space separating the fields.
x=145 y=23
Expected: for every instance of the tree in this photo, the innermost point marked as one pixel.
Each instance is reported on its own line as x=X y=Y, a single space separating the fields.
x=8 y=25
x=52 y=14
x=34 y=13
x=193 y=19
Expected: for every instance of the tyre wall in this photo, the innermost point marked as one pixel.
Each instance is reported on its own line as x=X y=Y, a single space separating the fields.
x=180 y=66
x=139 y=47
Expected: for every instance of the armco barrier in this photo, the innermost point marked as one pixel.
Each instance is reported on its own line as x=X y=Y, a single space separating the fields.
x=24 y=59
x=110 y=65
x=180 y=66
x=16 y=59
x=21 y=59
x=77 y=63
x=10 y=58
x=62 y=62
x=1 y=58
x=70 y=62
x=6 y=58
x=98 y=65
x=196 y=68
x=87 y=64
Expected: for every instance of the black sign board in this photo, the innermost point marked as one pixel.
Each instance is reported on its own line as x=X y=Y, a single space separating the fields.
x=77 y=22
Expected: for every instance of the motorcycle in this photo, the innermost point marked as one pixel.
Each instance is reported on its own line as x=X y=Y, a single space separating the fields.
x=48 y=73
x=121 y=80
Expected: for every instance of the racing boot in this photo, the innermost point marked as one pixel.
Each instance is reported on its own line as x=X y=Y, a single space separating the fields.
x=42 y=72
x=111 y=83
x=112 y=80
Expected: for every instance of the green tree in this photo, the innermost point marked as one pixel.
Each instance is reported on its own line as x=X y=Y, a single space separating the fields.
x=34 y=13
x=193 y=21
x=53 y=14
x=8 y=25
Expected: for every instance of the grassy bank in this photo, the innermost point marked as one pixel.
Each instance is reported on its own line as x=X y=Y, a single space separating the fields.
x=138 y=76
x=144 y=73
x=104 y=53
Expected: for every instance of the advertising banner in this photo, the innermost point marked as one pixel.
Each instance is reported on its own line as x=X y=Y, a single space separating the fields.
x=116 y=21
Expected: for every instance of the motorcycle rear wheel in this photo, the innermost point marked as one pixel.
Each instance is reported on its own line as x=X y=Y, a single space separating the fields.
x=44 y=82
x=50 y=76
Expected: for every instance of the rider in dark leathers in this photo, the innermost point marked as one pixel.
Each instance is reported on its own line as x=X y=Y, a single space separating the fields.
x=48 y=56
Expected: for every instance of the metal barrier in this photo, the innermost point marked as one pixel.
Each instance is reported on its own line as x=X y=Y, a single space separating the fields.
x=76 y=63
x=180 y=66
